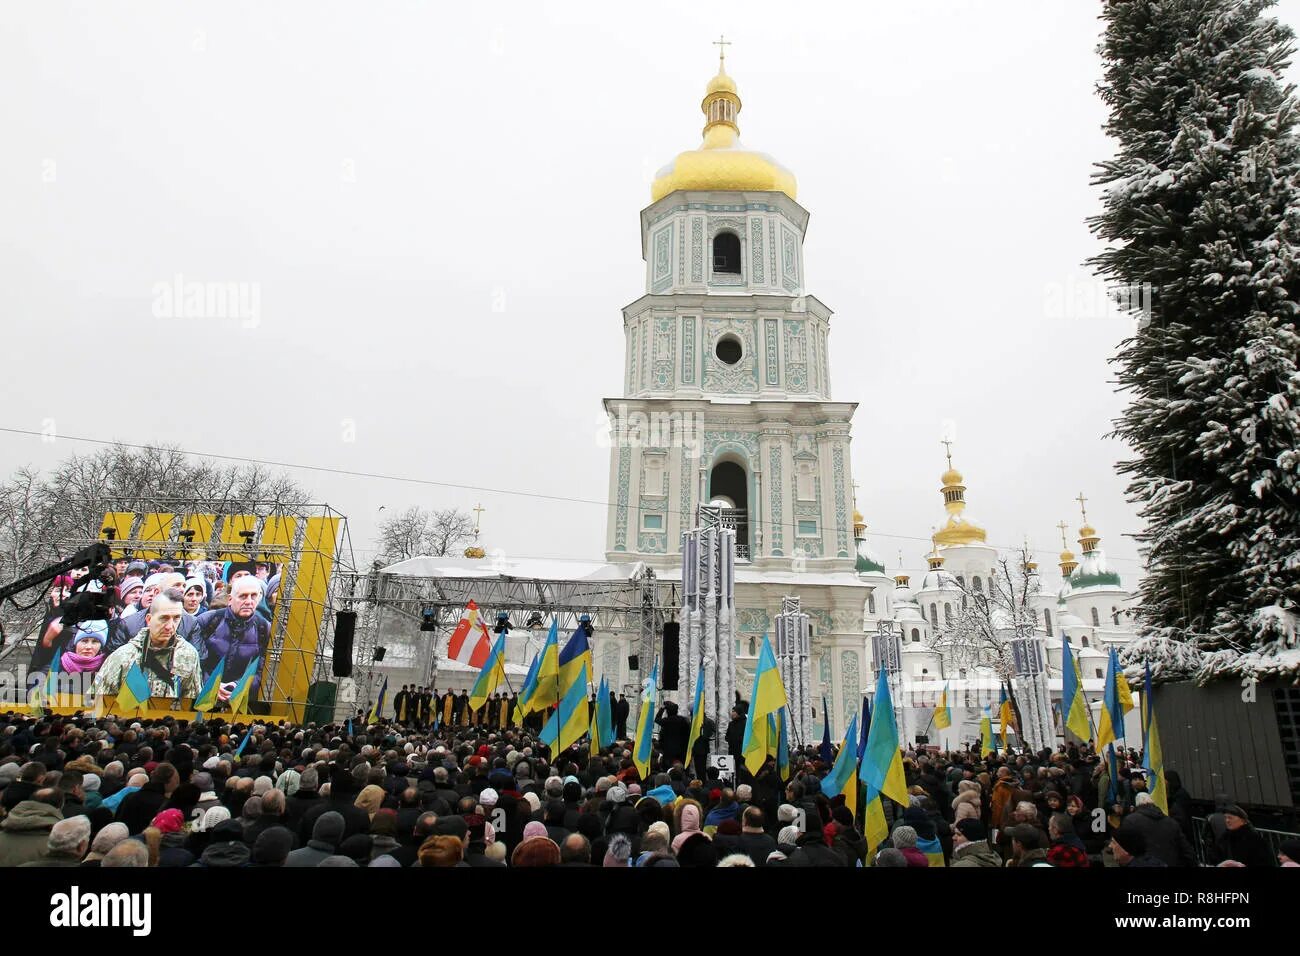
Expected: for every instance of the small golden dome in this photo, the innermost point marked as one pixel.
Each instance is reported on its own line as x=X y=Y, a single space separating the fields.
x=475 y=552
x=1067 y=557
x=1087 y=531
x=721 y=83
x=951 y=477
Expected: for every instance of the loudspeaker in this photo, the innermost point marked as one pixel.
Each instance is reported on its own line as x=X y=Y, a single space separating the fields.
x=320 y=703
x=668 y=676
x=379 y=653
x=345 y=623
x=633 y=662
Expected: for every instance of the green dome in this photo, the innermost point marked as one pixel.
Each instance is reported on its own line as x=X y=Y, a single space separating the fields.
x=867 y=562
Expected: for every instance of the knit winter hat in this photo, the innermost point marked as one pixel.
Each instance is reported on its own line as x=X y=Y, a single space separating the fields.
x=488 y=798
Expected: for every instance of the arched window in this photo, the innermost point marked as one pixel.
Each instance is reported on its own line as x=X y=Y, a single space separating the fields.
x=961 y=581
x=934 y=615
x=1114 y=616
x=726 y=253
x=753 y=647
x=1096 y=618
x=1085 y=642
x=977 y=584
x=947 y=613
x=1047 y=621
x=916 y=636
x=871 y=604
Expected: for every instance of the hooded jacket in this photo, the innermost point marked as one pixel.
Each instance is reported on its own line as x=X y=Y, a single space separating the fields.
x=326 y=835
x=1164 y=837
x=976 y=853
x=26 y=831
x=232 y=853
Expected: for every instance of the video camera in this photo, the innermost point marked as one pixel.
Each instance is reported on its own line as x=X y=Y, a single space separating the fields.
x=95 y=595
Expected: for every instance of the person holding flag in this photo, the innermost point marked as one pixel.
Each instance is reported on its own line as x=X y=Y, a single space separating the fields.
x=702 y=730
x=882 y=765
x=571 y=719
x=377 y=712
x=643 y=748
x=159 y=663
x=492 y=676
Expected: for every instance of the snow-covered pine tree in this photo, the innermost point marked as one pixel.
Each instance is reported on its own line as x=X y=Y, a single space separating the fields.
x=1202 y=213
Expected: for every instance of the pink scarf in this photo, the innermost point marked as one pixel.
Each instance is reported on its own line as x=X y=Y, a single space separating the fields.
x=74 y=664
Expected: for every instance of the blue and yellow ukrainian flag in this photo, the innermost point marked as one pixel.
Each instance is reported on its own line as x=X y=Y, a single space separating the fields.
x=1153 y=758
x=376 y=711
x=942 y=710
x=932 y=849
x=697 y=715
x=530 y=686
x=1072 y=701
x=768 y=697
x=843 y=777
x=134 y=692
x=207 y=698
x=987 y=744
x=604 y=716
x=575 y=661
x=1006 y=716
x=882 y=764
x=1110 y=725
x=782 y=745
x=239 y=696
x=570 y=720
x=492 y=676
x=645 y=723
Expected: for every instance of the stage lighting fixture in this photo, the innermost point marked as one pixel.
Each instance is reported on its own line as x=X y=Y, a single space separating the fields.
x=503 y=623
x=535 y=621
x=584 y=622
x=429 y=619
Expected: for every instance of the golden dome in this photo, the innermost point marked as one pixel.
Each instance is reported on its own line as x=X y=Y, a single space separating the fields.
x=959 y=530
x=722 y=162
x=1087 y=531
x=1067 y=557
x=721 y=83
x=859 y=522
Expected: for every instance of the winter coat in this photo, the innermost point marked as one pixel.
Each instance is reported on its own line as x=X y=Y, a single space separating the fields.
x=1245 y=845
x=1068 y=851
x=180 y=659
x=851 y=844
x=223 y=636
x=970 y=799
x=977 y=853
x=225 y=855
x=736 y=737
x=811 y=850
x=26 y=831
x=1032 y=858
x=757 y=846
x=1164 y=838
x=138 y=809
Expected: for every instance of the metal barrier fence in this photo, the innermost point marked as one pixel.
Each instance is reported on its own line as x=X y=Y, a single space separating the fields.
x=1203 y=839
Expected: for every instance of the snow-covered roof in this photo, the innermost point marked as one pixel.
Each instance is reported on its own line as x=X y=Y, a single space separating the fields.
x=545 y=569
x=1093 y=574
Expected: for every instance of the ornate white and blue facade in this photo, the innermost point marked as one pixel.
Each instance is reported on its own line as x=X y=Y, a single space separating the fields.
x=727 y=401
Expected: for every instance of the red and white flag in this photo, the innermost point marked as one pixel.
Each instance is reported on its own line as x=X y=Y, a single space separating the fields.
x=470 y=643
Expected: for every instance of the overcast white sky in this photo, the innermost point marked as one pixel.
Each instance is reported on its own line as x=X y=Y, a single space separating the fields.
x=386 y=173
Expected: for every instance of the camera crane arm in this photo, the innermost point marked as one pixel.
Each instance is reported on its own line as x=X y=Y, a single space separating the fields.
x=92 y=555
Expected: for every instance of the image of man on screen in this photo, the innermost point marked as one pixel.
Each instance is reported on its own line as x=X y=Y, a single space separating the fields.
x=234 y=634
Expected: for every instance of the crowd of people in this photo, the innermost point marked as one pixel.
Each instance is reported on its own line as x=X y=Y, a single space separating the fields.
x=98 y=791
x=179 y=621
